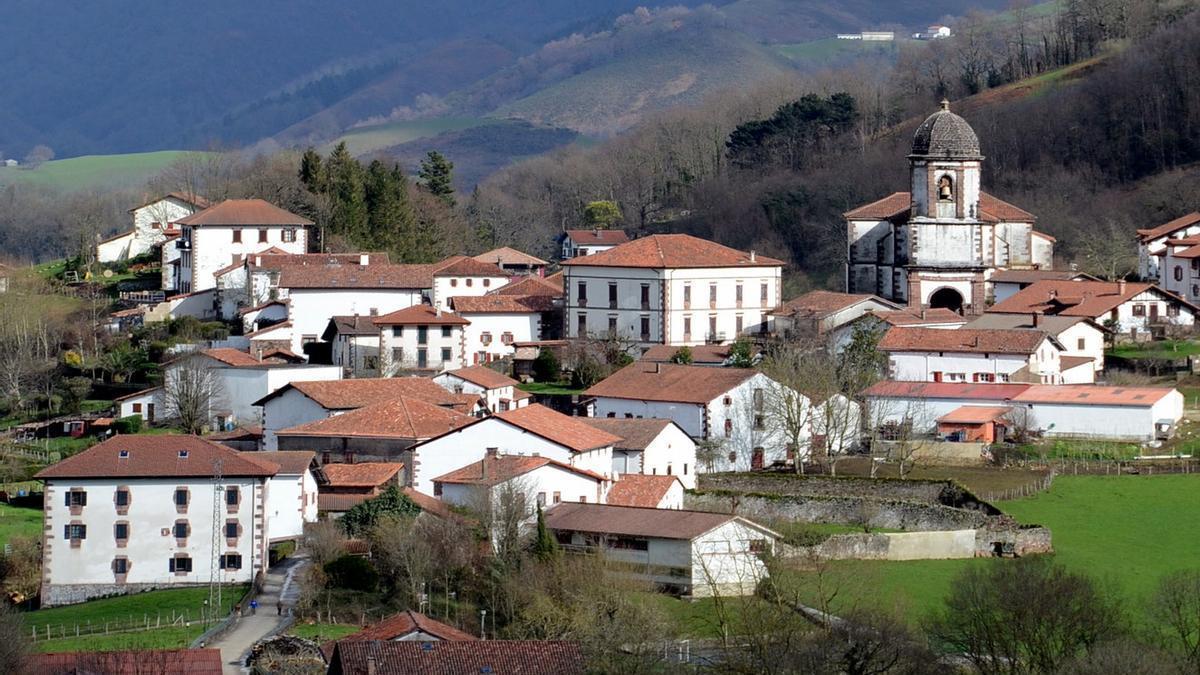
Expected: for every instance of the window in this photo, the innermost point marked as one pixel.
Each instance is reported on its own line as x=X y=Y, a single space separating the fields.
x=487 y=282
x=469 y=282
x=75 y=531
x=445 y=331
x=759 y=401
x=137 y=408
x=437 y=489
x=181 y=529
x=422 y=335
x=370 y=362
x=763 y=295
x=629 y=543
x=612 y=295
x=181 y=497
x=1172 y=310
x=541 y=499
x=557 y=497
x=237 y=236
x=712 y=295
x=612 y=324
x=76 y=498
x=121 y=498
x=738 y=295
x=645 y=328
x=231 y=529
x=759 y=546
x=262 y=235
x=737 y=324
x=453 y=283
x=120 y=566
x=397 y=331
x=728 y=428
x=308 y=339
x=485 y=338
x=727 y=401
x=645 y=296
x=712 y=326
x=179 y=565
x=1081 y=344
x=685 y=469
x=121 y=531
x=582 y=294
x=506 y=338
x=611 y=414
x=581 y=325
x=1139 y=310
x=687 y=328
x=732 y=456
x=231 y=561
x=445 y=354
x=289 y=235
x=985 y=377
x=687 y=296
x=760 y=422
x=422 y=358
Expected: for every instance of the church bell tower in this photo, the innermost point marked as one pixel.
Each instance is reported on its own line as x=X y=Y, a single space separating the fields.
x=945 y=164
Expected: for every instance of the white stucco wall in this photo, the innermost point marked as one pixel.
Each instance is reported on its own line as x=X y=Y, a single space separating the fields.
x=291 y=502
x=723 y=564
x=287 y=410
x=446 y=287
x=543 y=485
x=311 y=308
x=401 y=352
x=522 y=327
x=213 y=247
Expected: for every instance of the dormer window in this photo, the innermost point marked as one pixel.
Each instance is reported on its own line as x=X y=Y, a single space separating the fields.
x=123 y=454
x=183 y=454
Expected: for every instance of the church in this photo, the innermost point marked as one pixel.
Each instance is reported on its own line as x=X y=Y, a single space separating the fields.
x=937 y=245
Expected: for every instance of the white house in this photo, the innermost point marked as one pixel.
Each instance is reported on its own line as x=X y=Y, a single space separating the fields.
x=578 y=243
x=1082 y=339
x=1179 y=267
x=647 y=491
x=300 y=402
x=136 y=512
x=671 y=289
x=819 y=313
x=354 y=344
x=499 y=391
x=498 y=321
x=421 y=337
x=692 y=553
x=651 y=447
x=152 y=223
x=533 y=430
x=1126 y=308
x=460 y=276
x=1123 y=413
x=256 y=280
x=292 y=484
x=1152 y=241
x=146 y=404
x=221 y=234
x=975 y=355
x=727 y=406
x=539 y=480
x=234 y=381
x=514 y=262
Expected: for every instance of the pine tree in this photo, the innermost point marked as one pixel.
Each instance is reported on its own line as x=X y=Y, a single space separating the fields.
x=347 y=194
x=544 y=546
x=390 y=217
x=438 y=174
x=312 y=172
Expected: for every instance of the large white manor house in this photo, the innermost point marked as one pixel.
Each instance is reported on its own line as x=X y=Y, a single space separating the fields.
x=938 y=244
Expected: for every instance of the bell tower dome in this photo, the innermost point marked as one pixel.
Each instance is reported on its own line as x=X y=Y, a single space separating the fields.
x=945 y=163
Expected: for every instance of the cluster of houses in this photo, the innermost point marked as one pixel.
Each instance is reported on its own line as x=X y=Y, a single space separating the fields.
x=354 y=374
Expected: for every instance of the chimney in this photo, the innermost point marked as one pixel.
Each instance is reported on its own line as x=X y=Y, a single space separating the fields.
x=364 y=259
x=753 y=255
x=372 y=669
x=1121 y=286
x=258 y=261
x=1037 y=320
x=657 y=367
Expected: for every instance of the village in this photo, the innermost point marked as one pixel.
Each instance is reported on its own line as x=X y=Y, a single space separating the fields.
x=651 y=407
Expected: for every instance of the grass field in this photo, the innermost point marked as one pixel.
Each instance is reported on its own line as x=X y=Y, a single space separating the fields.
x=126 y=610
x=829 y=49
x=367 y=139
x=1126 y=532
x=94 y=171
x=977 y=479
x=18 y=522
x=321 y=632
x=1164 y=349
x=549 y=388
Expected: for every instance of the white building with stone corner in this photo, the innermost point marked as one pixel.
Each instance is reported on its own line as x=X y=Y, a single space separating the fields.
x=937 y=244
x=152 y=224
x=136 y=513
x=220 y=235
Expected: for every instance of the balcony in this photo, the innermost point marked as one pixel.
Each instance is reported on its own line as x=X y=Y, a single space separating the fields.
x=714 y=338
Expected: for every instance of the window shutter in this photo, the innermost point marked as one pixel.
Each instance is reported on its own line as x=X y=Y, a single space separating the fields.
x=83 y=499
x=66 y=531
x=68 y=499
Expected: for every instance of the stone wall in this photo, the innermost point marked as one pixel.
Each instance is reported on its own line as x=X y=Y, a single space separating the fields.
x=54 y=595
x=938 y=545
x=877 y=513
x=1025 y=539
x=946 y=493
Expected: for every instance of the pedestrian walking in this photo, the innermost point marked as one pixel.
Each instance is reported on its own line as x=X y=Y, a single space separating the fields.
x=254 y=607
x=279 y=608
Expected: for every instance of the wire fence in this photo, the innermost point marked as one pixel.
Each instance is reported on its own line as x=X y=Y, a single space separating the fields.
x=1020 y=491
x=129 y=624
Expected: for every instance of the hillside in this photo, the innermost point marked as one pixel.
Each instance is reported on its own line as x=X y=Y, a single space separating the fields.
x=93 y=172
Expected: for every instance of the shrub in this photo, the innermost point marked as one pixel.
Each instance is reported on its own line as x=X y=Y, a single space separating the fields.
x=546 y=367
x=363 y=516
x=128 y=425
x=352 y=572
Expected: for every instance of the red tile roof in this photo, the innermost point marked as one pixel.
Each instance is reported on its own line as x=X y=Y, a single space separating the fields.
x=1034 y=276
x=531 y=286
x=567 y=431
x=406 y=657
x=244 y=212
x=483 y=376
x=361 y=474
x=462 y=266
x=339 y=502
x=597 y=237
x=635 y=433
x=1170 y=227
x=495 y=470
x=130 y=662
x=637 y=522
x=399 y=626
x=962 y=340
x=960 y=390
x=817 y=304
x=356 y=393
x=506 y=255
x=357 y=276
x=659 y=251
x=914 y=317
x=276 y=258
x=291 y=462
x=991 y=209
x=974 y=414
x=157 y=456
x=404 y=418
x=350 y=325
x=711 y=354
x=275 y=327
x=420 y=315
x=635 y=489
x=1094 y=394
x=234 y=357
x=502 y=304
x=1093 y=299
x=644 y=381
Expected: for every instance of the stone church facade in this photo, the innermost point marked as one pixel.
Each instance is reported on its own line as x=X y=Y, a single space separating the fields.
x=938 y=244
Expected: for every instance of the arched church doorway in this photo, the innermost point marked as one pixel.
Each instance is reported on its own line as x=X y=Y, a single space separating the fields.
x=947 y=298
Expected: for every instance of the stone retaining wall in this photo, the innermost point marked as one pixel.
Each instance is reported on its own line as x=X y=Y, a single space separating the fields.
x=876 y=513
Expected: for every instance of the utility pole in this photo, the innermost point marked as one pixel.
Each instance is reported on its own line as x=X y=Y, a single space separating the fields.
x=215 y=567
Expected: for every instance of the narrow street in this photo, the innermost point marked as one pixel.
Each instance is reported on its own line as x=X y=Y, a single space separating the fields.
x=282 y=584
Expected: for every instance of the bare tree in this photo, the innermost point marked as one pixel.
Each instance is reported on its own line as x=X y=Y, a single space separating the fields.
x=403 y=556
x=1176 y=608
x=14 y=642
x=325 y=541
x=192 y=391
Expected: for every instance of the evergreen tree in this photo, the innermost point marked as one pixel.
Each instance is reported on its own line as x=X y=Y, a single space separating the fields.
x=390 y=218
x=545 y=548
x=347 y=194
x=601 y=214
x=438 y=174
x=741 y=353
x=312 y=172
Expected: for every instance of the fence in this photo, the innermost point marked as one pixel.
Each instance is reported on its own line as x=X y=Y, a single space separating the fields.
x=1021 y=491
x=1119 y=467
x=132 y=623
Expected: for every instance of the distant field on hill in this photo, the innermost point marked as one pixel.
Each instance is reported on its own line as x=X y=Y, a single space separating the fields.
x=363 y=140
x=94 y=171
x=818 y=52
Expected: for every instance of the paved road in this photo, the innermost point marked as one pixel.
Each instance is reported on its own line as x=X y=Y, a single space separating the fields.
x=282 y=583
